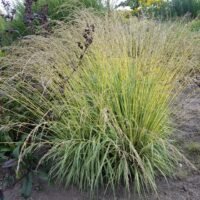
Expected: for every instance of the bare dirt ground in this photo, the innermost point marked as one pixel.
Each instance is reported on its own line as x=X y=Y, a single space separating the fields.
x=186 y=183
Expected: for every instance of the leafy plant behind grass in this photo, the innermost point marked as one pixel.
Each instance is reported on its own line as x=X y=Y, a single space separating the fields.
x=166 y=9
x=102 y=115
x=195 y=25
x=183 y=7
x=61 y=10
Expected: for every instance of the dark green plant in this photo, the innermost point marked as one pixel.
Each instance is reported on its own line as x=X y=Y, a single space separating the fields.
x=56 y=10
x=179 y=8
x=9 y=158
x=12 y=137
x=166 y=9
x=183 y=7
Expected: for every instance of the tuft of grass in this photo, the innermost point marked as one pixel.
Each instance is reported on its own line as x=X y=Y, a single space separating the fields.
x=195 y=25
x=193 y=147
x=104 y=119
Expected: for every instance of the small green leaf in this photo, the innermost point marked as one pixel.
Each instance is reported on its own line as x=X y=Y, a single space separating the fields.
x=27 y=186
x=5 y=149
x=16 y=151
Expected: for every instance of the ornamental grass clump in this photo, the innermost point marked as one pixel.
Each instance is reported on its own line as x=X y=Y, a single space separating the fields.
x=98 y=96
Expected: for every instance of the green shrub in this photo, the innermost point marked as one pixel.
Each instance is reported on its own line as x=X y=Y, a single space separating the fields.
x=170 y=9
x=57 y=10
x=61 y=9
x=195 y=25
x=102 y=116
x=182 y=7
